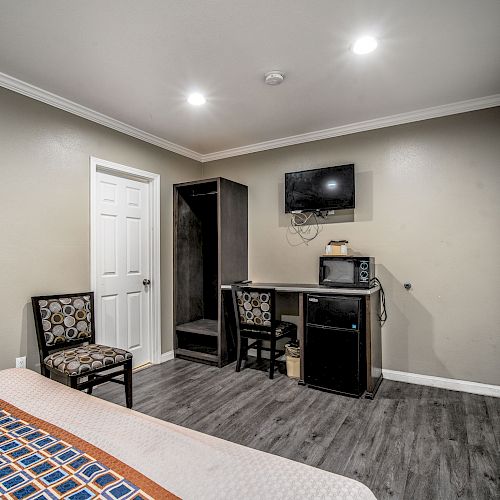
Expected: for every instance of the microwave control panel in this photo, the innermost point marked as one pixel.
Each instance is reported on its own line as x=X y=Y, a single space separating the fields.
x=363 y=271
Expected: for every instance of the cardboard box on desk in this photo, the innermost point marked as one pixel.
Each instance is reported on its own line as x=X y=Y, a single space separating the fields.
x=336 y=248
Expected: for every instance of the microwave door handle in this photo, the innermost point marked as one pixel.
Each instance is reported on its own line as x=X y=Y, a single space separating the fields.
x=323 y=273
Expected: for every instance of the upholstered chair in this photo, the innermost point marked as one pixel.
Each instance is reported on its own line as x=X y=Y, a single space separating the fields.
x=65 y=330
x=255 y=313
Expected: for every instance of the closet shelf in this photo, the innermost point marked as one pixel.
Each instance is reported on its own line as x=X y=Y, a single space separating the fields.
x=201 y=326
x=190 y=354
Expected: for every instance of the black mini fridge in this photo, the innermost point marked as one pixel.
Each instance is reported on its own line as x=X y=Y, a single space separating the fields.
x=334 y=350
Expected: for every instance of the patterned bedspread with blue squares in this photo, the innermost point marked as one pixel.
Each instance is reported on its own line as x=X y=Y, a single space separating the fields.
x=37 y=464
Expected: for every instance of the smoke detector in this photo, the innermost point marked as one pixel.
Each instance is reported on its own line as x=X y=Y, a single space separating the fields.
x=274 y=77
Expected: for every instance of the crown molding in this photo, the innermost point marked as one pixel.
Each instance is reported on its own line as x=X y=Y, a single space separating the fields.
x=16 y=85
x=352 y=128
x=11 y=83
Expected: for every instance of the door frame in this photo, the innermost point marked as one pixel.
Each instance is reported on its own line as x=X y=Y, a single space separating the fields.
x=153 y=181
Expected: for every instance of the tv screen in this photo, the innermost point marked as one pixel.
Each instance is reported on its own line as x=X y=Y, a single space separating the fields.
x=330 y=188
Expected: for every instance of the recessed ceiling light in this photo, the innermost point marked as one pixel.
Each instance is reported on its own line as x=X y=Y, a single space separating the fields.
x=196 y=99
x=364 y=45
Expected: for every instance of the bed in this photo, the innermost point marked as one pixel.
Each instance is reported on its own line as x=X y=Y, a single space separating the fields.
x=58 y=442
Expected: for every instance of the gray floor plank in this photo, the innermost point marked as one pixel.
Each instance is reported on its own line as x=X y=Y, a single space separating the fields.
x=454 y=421
x=420 y=487
x=454 y=471
x=315 y=432
x=411 y=442
x=389 y=480
x=365 y=459
x=347 y=437
x=485 y=473
x=493 y=406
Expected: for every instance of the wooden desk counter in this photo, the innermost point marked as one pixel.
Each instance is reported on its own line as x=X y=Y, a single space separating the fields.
x=373 y=329
x=308 y=288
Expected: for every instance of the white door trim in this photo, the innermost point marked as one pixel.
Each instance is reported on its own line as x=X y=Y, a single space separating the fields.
x=153 y=180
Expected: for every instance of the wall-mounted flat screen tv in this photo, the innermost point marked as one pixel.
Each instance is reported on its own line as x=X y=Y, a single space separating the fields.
x=330 y=188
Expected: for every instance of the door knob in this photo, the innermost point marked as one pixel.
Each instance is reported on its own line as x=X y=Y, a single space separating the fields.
x=146 y=282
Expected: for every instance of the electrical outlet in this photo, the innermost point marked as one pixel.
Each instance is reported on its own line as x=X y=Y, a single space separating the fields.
x=21 y=362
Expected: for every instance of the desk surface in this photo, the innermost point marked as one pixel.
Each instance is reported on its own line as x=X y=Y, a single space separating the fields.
x=309 y=288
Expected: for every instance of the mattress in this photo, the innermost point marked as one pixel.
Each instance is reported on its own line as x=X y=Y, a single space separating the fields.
x=186 y=463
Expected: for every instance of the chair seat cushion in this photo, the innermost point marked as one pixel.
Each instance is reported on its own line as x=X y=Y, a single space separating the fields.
x=282 y=328
x=85 y=359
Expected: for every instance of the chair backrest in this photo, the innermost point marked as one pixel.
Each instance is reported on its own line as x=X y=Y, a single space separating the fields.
x=63 y=320
x=254 y=308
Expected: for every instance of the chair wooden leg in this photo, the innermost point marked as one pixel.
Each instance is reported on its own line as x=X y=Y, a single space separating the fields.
x=44 y=370
x=128 y=383
x=238 y=354
x=272 y=356
x=73 y=382
x=259 y=350
x=245 y=348
x=91 y=378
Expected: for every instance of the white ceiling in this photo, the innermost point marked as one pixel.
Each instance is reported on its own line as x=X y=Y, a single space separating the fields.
x=136 y=61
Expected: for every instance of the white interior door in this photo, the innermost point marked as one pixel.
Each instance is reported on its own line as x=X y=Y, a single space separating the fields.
x=122 y=298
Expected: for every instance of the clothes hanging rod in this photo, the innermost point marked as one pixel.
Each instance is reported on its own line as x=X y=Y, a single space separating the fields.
x=204 y=194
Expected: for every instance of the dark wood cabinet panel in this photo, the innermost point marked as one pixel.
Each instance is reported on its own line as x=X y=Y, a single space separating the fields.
x=233 y=231
x=189 y=264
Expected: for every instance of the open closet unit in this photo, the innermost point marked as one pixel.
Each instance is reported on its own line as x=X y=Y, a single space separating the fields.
x=210 y=249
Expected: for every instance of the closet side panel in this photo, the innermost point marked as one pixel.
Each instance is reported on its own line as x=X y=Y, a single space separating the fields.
x=233 y=231
x=233 y=257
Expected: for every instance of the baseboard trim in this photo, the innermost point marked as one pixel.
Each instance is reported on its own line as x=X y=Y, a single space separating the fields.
x=443 y=383
x=166 y=356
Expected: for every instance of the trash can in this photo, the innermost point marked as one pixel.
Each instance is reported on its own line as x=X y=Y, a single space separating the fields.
x=292 y=353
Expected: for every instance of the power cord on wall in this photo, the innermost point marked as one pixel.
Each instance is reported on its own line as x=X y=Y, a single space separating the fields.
x=383 y=313
x=301 y=226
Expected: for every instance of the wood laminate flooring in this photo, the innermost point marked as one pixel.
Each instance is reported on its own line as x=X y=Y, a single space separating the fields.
x=411 y=442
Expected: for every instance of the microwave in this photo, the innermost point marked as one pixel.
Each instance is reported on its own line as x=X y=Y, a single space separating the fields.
x=340 y=271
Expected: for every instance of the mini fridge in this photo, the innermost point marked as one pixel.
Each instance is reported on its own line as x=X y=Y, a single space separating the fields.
x=334 y=348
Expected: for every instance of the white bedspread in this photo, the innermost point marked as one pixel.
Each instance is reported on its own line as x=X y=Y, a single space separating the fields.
x=187 y=463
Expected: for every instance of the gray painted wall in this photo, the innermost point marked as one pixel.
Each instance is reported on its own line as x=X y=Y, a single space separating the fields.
x=428 y=209
x=44 y=210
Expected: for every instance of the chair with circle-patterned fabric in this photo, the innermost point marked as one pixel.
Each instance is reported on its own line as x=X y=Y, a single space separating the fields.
x=255 y=313
x=65 y=331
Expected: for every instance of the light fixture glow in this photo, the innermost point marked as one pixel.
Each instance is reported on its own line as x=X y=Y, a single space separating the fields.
x=332 y=185
x=196 y=99
x=364 y=45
